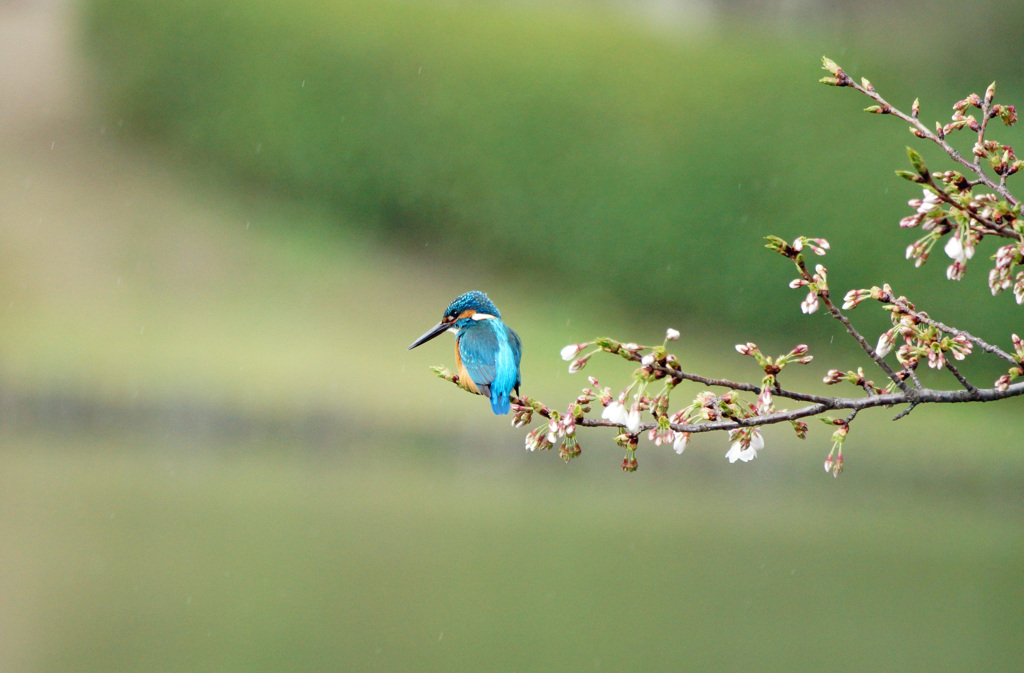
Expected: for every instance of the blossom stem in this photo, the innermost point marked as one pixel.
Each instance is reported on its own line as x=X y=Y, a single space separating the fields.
x=988 y=348
x=974 y=166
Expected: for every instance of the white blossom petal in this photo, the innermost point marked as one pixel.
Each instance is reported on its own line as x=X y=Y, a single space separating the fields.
x=955 y=249
x=884 y=344
x=733 y=454
x=571 y=351
x=633 y=420
x=680 y=442
x=615 y=413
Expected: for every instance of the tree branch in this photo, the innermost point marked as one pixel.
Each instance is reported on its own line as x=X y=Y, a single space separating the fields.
x=949 y=208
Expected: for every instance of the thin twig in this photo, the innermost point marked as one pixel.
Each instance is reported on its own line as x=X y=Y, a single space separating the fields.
x=912 y=373
x=959 y=377
x=975 y=166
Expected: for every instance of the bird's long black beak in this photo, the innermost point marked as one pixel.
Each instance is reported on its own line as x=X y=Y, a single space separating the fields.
x=439 y=328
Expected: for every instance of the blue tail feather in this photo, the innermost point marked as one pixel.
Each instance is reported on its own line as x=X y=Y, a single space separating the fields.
x=499 y=402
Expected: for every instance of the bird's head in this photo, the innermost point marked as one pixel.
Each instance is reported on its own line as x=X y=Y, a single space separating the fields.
x=473 y=305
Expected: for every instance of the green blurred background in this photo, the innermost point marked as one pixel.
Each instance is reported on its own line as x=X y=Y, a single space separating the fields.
x=223 y=221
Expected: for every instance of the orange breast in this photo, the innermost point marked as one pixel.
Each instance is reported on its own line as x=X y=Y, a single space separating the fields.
x=464 y=380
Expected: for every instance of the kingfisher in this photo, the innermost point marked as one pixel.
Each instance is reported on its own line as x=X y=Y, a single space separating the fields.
x=487 y=351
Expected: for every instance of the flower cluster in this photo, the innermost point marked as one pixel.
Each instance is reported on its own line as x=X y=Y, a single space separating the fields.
x=857 y=378
x=922 y=337
x=1003 y=382
x=1008 y=259
x=772 y=368
x=962 y=210
x=745 y=445
x=560 y=428
x=816 y=283
x=834 y=461
x=627 y=409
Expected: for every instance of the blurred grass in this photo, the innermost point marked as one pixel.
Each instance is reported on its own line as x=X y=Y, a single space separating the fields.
x=572 y=145
x=162 y=561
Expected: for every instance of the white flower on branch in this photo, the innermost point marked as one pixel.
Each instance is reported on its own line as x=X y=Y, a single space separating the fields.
x=680 y=442
x=853 y=298
x=571 y=351
x=1018 y=288
x=957 y=251
x=764 y=401
x=956 y=270
x=928 y=203
x=817 y=245
x=936 y=358
x=885 y=342
x=615 y=412
x=745 y=446
x=810 y=304
x=633 y=418
x=960 y=347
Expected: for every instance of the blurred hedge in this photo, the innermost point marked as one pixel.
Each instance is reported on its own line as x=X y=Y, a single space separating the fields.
x=577 y=148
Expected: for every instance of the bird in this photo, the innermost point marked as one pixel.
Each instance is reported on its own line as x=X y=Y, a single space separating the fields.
x=487 y=351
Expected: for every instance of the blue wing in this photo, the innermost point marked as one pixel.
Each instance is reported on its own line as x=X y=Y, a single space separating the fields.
x=490 y=352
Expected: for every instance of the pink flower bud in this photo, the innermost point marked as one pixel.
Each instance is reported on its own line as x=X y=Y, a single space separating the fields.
x=885 y=343
x=572 y=350
x=577 y=365
x=810 y=304
x=956 y=270
x=853 y=298
x=833 y=376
